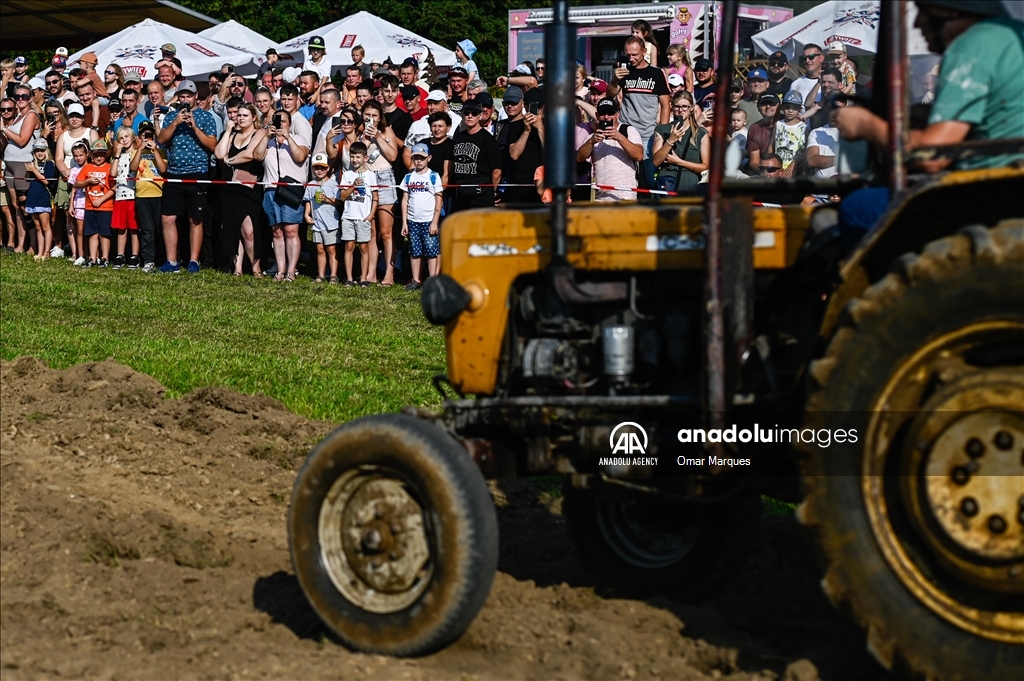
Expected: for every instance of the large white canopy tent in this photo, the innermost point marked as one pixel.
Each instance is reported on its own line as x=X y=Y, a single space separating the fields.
x=381 y=39
x=243 y=38
x=851 y=22
x=137 y=49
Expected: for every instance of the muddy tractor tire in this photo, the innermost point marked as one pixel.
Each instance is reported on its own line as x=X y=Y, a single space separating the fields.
x=645 y=549
x=393 y=535
x=921 y=519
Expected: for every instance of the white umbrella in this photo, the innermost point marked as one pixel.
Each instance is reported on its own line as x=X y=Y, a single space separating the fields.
x=137 y=49
x=853 y=23
x=242 y=38
x=381 y=39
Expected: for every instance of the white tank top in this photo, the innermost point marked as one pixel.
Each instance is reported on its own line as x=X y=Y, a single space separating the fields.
x=14 y=153
x=69 y=142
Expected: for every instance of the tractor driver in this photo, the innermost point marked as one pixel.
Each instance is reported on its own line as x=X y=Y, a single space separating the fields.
x=978 y=97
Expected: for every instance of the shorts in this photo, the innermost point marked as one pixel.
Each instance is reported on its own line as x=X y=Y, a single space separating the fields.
x=355 y=230
x=124 y=215
x=19 y=185
x=4 y=201
x=63 y=194
x=78 y=213
x=421 y=243
x=386 y=196
x=97 y=222
x=327 y=238
x=37 y=209
x=185 y=199
x=280 y=213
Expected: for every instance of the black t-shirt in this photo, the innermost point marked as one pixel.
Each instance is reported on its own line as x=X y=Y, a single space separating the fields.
x=521 y=170
x=455 y=104
x=318 y=122
x=439 y=154
x=474 y=158
x=701 y=93
x=781 y=88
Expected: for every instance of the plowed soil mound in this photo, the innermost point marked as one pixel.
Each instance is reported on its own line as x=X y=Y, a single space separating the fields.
x=144 y=538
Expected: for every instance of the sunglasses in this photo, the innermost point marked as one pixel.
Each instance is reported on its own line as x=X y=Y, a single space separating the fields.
x=7 y=110
x=347 y=121
x=811 y=57
x=777 y=63
x=53 y=82
x=770 y=169
x=21 y=98
x=110 y=73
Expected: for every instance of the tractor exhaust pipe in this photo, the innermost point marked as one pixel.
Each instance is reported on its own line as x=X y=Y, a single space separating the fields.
x=559 y=121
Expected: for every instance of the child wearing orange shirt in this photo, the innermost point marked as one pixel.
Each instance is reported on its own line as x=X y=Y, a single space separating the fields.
x=95 y=178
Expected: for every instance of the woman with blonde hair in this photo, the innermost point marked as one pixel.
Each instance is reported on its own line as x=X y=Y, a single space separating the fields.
x=382 y=150
x=264 y=101
x=243 y=198
x=582 y=88
x=682 y=148
x=679 y=64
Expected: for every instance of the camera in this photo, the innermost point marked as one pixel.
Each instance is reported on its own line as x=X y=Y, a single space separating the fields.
x=184 y=107
x=605 y=125
x=533 y=107
x=277 y=120
x=51 y=118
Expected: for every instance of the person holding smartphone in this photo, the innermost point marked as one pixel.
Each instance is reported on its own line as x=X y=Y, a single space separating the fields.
x=615 y=149
x=644 y=93
x=682 y=149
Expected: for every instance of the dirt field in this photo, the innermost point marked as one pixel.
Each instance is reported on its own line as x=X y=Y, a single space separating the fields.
x=144 y=538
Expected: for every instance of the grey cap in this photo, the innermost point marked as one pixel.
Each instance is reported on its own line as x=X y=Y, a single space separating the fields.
x=187 y=86
x=513 y=93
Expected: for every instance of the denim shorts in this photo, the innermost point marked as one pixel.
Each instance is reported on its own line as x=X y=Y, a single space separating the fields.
x=279 y=213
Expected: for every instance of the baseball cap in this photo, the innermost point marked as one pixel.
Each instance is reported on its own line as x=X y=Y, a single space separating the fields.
x=98 y=145
x=514 y=94
x=89 y=58
x=320 y=160
x=836 y=47
x=768 y=98
x=20 y=61
x=40 y=143
x=437 y=96
x=147 y=125
x=601 y=86
x=62 y=51
x=420 y=150
x=778 y=56
x=736 y=85
x=36 y=83
x=607 y=107
x=485 y=100
x=675 y=80
x=471 y=105
x=58 y=60
x=291 y=73
x=793 y=97
x=187 y=86
x=132 y=77
x=757 y=74
x=409 y=91
x=76 y=109
x=316 y=43
x=703 y=64
x=169 y=47
x=458 y=72
x=270 y=51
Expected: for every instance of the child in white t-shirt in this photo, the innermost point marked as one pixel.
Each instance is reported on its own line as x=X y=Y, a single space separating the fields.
x=321 y=212
x=738 y=132
x=421 y=207
x=790 y=133
x=360 y=197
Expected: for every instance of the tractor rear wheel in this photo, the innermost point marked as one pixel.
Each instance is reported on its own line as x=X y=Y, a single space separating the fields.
x=920 y=512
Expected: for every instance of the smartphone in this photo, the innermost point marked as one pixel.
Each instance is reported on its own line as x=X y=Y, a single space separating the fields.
x=605 y=125
x=336 y=122
x=533 y=107
x=623 y=62
x=367 y=123
x=184 y=107
x=277 y=120
x=679 y=120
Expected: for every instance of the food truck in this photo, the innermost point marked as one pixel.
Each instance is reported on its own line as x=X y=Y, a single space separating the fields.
x=601 y=29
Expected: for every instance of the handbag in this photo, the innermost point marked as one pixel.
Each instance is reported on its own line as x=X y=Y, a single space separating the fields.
x=288 y=194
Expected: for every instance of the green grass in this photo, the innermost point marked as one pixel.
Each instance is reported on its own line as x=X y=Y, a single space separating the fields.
x=326 y=352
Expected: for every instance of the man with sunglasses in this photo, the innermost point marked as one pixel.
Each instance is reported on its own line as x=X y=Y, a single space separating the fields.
x=813 y=60
x=778 y=82
x=57 y=89
x=770 y=166
x=475 y=161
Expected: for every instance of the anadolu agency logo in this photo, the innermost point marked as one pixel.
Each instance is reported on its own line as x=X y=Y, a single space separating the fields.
x=628 y=443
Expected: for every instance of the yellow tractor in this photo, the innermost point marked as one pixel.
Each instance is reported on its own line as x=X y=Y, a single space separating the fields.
x=677 y=360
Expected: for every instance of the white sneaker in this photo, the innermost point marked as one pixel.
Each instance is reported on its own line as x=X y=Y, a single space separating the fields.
x=149 y=267
x=57 y=252
x=79 y=261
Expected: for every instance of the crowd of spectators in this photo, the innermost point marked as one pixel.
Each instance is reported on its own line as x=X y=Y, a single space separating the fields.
x=113 y=171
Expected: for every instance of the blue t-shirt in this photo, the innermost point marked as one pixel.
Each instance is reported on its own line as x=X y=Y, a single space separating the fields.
x=308 y=111
x=139 y=118
x=40 y=195
x=185 y=155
